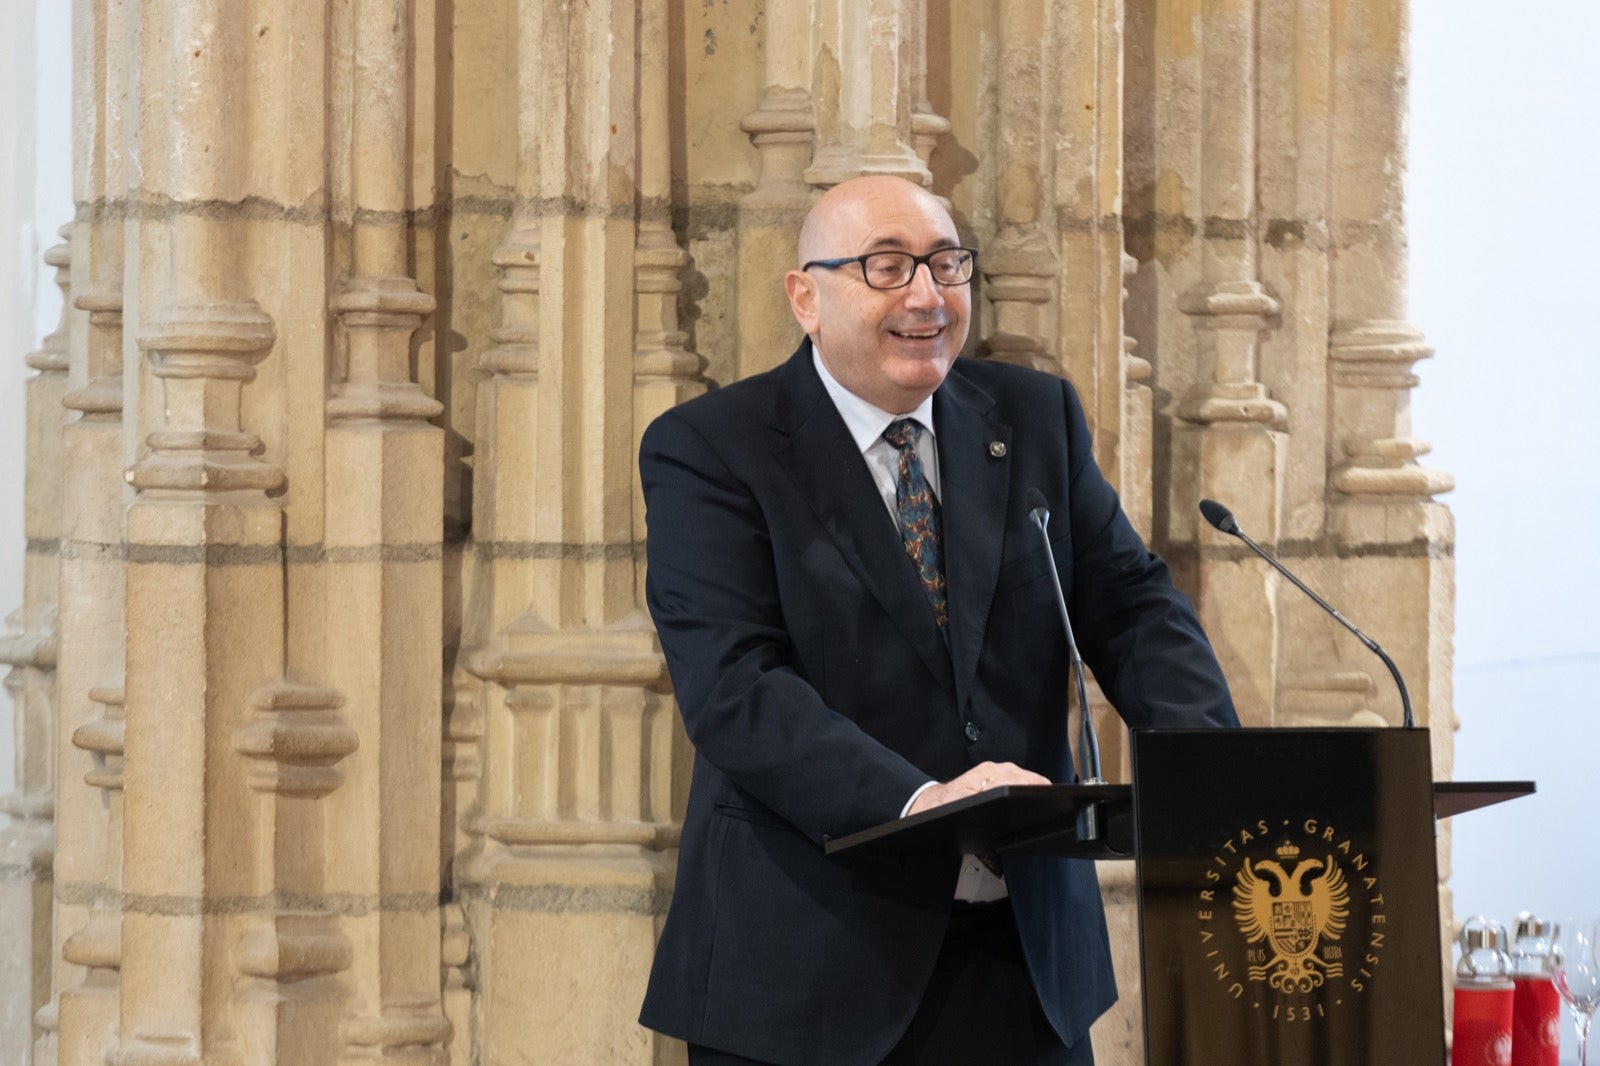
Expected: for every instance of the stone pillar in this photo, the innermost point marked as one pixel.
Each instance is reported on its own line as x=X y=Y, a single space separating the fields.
x=502 y=519
x=1020 y=266
x=382 y=574
x=503 y=536
x=860 y=93
x=782 y=130
x=86 y=980
x=29 y=647
x=1294 y=117
x=1294 y=98
x=90 y=675
x=573 y=872
x=1087 y=203
x=1238 y=441
x=665 y=372
x=205 y=588
x=1396 y=543
x=927 y=125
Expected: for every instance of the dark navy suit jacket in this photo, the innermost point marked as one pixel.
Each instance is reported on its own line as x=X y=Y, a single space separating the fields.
x=819 y=694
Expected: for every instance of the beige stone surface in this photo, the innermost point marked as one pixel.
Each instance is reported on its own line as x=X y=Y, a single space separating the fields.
x=30 y=647
x=342 y=732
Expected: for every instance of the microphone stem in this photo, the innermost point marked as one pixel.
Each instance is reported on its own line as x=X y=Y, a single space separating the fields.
x=1088 y=741
x=1394 y=671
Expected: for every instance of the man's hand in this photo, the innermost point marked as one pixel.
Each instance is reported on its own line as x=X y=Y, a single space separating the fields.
x=984 y=776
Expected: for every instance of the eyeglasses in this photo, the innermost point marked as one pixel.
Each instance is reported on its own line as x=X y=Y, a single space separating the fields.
x=894 y=270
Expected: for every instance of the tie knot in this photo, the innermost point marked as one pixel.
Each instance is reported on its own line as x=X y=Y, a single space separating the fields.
x=902 y=433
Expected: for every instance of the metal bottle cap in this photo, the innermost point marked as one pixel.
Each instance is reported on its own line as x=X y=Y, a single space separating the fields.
x=1533 y=952
x=1529 y=926
x=1484 y=944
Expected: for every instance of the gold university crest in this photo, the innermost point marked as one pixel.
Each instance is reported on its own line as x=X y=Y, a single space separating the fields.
x=1293 y=905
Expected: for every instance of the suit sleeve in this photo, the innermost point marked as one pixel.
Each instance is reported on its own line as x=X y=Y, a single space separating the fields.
x=713 y=592
x=1137 y=632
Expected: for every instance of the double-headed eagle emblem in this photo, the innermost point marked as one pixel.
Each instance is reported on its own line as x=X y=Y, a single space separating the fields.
x=1293 y=906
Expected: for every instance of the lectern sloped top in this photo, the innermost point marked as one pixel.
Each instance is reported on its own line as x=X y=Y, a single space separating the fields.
x=1043 y=819
x=1039 y=818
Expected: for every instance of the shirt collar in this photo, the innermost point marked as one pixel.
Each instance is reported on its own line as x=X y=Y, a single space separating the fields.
x=865 y=421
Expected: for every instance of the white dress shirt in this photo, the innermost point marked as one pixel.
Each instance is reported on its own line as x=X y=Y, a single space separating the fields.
x=866 y=424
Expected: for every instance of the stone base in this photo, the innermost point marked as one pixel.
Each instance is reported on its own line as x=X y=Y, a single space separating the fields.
x=564 y=941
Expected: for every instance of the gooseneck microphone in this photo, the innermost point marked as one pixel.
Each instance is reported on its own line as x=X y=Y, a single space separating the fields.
x=1088 y=741
x=1223 y=521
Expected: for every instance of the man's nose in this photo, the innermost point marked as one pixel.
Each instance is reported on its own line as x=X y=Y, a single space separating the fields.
x=923 y=291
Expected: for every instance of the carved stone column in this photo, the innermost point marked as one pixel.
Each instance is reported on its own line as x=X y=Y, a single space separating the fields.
x=927 y=125
x=93 y=562
x=1296 y=100
x=860 y=93
x=86 y=980
x=782 y=130
x=1396 y=543
x=383 y=530
x=666 y=372
x=503 y=536
x=29 y=647
x=1238 y=441
x=1021 y=270
x=1087 y=203
x=205 y=613
x=573 y=871
x=502 y=518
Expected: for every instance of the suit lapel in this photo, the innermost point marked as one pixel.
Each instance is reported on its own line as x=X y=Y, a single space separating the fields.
x=820 y=455
x=974 y=489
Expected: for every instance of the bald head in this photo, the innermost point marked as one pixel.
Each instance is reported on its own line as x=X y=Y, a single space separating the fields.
x=850 y=206
x=891 y=347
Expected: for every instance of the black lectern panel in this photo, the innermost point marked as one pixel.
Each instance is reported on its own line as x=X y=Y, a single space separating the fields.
x=1289 y=907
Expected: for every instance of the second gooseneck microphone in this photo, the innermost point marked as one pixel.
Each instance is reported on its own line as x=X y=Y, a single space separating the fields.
x=1088 y=741
x=1223 y=521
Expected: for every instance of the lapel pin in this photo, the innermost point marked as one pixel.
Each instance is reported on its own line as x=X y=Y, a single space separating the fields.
x=997 y=449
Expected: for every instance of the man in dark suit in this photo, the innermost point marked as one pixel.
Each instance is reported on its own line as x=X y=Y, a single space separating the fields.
x=858 y=621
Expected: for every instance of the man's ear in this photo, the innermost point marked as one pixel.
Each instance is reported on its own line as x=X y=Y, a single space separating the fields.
x=802 y=290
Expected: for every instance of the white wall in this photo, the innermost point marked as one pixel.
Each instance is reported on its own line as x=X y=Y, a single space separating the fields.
x=1504 y=287
x=1505 y=146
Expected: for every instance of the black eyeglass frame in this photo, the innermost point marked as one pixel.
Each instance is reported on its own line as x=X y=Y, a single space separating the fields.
x=916 y=261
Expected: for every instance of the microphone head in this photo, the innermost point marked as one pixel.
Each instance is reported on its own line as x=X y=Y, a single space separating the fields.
x=1038 y=509
x=1219 y=516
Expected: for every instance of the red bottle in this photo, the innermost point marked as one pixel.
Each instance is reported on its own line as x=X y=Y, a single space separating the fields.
x=1536 y=1005
x=1484 y=996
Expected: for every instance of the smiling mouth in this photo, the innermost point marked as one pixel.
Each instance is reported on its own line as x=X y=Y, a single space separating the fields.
x=922 y=333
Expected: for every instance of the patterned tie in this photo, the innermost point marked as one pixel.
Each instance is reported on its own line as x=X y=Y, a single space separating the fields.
x=918 y=512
